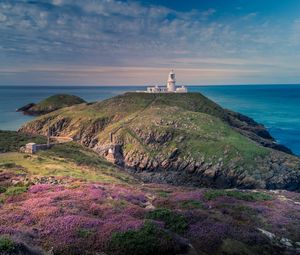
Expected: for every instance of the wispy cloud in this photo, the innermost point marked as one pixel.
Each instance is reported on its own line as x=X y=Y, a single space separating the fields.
x=127 y=34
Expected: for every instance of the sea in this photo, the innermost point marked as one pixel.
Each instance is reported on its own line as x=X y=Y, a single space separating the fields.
x=275 y=106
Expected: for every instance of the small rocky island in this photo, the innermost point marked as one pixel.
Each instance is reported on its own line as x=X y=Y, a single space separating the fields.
x=50 y=104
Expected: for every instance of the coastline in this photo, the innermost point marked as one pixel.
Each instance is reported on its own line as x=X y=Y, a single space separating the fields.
x=280 y=118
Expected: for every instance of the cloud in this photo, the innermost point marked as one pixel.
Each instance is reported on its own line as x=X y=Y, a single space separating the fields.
x=250 y=16
x=208 y=12
x=129 y=34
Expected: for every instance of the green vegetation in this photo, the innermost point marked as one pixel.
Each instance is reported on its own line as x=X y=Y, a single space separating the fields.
x=163 y=193
x=151 y=126
x=196 y=118
x=65 y=160
x=12 y=141
x=191 y=204
x=241 y=195
x=77 y=154
x=84 y=233
x=149 y=240
x=83 y=157
x=7 y=245
x=15 y=190
x=8 y=165
x=55 y=102
x=173 y=220
x=94 y=206
x=233 y=247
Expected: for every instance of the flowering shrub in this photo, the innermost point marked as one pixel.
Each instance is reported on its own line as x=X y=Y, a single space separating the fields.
x=136 y=199
x=115 y=218
x=191 y=195
x=207 y=235
x=40 y=188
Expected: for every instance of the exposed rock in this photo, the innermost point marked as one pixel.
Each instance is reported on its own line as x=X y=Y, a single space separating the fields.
x=254 y=131
x=25 y=108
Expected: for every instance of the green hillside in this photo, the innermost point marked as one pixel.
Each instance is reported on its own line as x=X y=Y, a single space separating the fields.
x=177 y=138
x=51 y=104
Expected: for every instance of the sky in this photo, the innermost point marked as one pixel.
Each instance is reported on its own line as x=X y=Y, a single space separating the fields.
x=111 y=42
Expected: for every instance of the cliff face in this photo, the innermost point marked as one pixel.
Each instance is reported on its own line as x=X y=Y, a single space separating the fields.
x=177 y=138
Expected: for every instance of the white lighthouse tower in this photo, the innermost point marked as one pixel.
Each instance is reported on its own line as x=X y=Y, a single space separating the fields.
x=171 y=87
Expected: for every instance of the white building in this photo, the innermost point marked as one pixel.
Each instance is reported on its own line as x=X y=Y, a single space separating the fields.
x=170 y=88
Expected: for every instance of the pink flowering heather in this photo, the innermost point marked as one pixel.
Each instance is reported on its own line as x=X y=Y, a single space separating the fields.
x=41 y=188
x=119 y=223
x=191 y=195
x=85 y=217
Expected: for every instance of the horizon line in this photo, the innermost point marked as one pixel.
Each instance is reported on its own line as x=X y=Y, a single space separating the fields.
x=128 y=85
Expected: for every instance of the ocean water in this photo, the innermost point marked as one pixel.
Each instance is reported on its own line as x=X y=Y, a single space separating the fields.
x=275 y=106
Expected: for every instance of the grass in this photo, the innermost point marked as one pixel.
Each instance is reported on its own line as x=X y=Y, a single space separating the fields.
x=173 y=221
x=200 y=121
x=9 y=165
x=77 y=154
x=83 y=157
x=12 y=141
x=66 y=160
x=191 y=204
x=246 y=196
x=15 y=190
x=204 y=136
x=56 y=102
x=163 y=193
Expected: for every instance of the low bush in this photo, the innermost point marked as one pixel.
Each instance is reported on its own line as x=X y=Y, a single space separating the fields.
x=15 y=190
x=172 y=220
x=149 y=240
x=12 y=141
x=163 y=193
x=241 y=195
x=2 y=189
x=249 y=196
x=7 y=245
x=84 y=233
x=8 y=165
x=191 y=204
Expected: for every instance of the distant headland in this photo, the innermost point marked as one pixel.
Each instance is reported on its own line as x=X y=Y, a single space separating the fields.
x=50 y=104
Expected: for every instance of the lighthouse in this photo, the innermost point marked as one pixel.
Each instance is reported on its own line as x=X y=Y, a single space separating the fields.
x=171 y=87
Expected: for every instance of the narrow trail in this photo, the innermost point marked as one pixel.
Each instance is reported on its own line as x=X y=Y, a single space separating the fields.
x=61 y=139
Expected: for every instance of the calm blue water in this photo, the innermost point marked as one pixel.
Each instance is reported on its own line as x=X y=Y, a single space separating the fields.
x=276 y=106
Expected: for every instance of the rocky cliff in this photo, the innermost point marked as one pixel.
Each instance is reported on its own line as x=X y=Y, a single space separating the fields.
x=181 y=139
